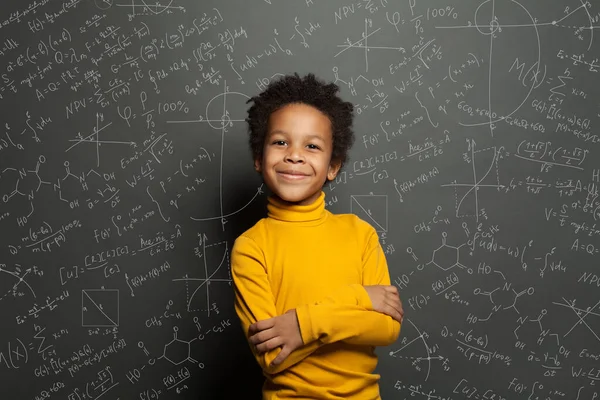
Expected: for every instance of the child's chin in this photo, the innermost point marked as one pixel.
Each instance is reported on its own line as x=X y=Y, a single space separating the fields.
x=292 y=197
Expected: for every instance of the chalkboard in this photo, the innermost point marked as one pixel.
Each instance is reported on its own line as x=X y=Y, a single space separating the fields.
x=126 y=175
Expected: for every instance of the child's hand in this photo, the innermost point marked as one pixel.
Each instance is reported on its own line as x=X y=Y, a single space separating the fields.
x=271 y=333
x=386 y=300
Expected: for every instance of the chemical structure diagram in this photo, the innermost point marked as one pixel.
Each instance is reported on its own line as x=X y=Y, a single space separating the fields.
x=24 y=184
x=503 y=297
x=447 y=257
x=27 y=183
x=553 y=354
x=178 y=351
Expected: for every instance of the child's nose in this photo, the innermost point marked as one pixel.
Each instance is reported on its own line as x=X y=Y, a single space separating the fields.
x=294 y=155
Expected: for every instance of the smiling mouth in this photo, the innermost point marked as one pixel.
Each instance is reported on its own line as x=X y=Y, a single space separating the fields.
x=292 y=176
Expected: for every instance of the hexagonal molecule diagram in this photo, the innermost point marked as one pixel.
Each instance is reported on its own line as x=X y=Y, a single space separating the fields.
x=178 y=351
x=446 y=257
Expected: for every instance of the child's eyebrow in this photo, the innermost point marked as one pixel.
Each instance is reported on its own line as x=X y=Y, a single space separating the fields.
x=310 y=136
x=315 y=136
x=277 y=131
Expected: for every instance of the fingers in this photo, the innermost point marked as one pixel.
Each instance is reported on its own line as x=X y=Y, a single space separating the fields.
x=395 y=297
x=397 y=304
x=283 y=354
x=261 y=325
x=384 y=288
x=394 y=313
x=386 y=300
x=394 y=308
x=269 y=344
x=262 y=336
x=391 y=289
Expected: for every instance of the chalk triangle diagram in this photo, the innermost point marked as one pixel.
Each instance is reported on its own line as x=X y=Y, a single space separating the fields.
x=100 y=308
x=372 y=209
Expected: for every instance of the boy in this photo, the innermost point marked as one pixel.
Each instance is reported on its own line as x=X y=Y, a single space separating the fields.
x=312 y=289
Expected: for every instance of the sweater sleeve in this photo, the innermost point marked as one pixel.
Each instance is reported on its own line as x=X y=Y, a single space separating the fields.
x=254 y=301
x=347 y=315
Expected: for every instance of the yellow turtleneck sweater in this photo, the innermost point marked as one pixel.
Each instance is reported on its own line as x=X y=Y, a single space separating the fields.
x=305 y=257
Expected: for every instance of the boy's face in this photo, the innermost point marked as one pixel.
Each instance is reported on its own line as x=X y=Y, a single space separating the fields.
x=297 y=154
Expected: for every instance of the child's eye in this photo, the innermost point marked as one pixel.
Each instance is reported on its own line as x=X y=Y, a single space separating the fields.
x=279 y=142
x=313 y=146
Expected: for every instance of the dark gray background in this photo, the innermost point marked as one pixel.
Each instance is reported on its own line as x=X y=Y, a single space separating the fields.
x=125 y=177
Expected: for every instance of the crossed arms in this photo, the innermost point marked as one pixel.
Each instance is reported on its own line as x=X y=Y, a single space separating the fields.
x=347 y=314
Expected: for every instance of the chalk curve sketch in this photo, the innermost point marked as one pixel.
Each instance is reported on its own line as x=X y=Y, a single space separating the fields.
x=212 y=273
x=221 y=111
x=218 y=106
x=126 y=176
x=415 y=349
x=527 y=73
x=157 y=6
x=9 y=287
x=490 y=179
x=103 y=4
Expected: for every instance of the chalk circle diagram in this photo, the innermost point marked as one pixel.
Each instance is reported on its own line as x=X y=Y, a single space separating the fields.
x=218 y=117
x=414 y=351
x=505 y=23
x=103 y=4
x=100 y=308
x=371 y=208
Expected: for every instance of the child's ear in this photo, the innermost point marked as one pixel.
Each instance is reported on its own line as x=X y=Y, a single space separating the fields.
x=334 y=168
x=258 y=165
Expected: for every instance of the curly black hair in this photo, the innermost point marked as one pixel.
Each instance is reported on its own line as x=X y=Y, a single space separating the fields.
x=308 y=90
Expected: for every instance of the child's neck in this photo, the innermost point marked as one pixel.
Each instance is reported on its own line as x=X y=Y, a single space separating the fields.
x=295 y=212
x=306 y=202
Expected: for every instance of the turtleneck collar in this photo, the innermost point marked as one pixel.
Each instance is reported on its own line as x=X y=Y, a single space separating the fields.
x=314 y=212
